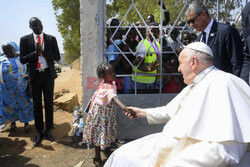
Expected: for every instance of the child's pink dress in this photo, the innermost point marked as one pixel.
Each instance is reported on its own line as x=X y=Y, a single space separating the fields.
x=100 y=127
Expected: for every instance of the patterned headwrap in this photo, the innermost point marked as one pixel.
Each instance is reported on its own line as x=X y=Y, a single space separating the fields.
x=13 y=44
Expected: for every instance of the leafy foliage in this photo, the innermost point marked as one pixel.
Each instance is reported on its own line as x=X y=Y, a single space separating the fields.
x=68 y=18
x=225 y=9
x=146 y=7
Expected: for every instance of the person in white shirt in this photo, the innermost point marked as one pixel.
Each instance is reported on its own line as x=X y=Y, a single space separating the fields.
x=206 y=125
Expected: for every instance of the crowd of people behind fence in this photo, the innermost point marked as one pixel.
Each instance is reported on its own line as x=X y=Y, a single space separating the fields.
x=129 y=41
x=224 y=39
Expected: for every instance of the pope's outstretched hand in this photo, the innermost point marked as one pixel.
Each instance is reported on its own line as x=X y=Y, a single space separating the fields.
x=135 y=112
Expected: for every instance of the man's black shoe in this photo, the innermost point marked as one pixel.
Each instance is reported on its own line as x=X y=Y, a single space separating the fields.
x=49 y=136
x=38 y=139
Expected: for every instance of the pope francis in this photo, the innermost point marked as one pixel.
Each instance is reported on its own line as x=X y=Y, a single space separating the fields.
x=206 y=125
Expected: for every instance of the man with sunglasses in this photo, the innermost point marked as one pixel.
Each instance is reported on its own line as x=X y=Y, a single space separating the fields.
x=223 y=39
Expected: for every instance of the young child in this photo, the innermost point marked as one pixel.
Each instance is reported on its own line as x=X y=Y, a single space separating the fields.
x=100 y=127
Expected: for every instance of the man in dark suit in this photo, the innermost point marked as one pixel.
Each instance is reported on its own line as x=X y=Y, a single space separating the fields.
x=223 y=39
x=245 y=73
x=39 y=51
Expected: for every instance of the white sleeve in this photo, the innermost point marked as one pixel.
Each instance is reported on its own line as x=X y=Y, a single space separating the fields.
x=1 y=73
x=230 y=151
x=141 y=50
x=158 y=115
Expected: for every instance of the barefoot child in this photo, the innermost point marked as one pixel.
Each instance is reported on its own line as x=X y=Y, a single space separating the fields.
x=100 y=127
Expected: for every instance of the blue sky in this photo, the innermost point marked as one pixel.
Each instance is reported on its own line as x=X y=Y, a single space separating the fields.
x=15 y=15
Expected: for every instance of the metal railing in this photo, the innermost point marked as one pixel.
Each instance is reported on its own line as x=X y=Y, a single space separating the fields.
x=163 y=35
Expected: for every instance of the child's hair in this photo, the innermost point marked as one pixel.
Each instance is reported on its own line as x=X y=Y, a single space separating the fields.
x=102 y=69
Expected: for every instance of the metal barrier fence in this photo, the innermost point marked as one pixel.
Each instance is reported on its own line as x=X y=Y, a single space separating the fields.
x=168 y=45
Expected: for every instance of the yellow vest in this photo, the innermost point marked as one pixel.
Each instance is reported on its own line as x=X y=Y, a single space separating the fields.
x=149 y=58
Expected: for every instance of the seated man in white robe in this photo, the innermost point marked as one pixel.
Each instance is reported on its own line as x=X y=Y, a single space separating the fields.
x=206 y=125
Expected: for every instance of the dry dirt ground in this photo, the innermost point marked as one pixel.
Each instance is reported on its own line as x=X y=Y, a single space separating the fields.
x=16 y=149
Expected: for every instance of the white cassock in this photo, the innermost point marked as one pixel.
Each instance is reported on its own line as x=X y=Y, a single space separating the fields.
x=207 y=125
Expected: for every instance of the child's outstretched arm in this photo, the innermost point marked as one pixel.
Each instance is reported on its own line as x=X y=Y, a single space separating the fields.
x=120 y=104
x=123 y=107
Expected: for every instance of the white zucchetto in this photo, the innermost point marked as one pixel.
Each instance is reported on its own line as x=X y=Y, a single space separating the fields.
x=201 y=47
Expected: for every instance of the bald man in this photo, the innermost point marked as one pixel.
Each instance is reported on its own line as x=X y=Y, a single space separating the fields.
x=39 y=51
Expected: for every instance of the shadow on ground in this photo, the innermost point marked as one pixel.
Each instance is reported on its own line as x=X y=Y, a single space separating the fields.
x=10 y=157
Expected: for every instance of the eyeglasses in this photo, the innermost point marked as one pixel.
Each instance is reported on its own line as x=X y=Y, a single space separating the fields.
x=193 y=19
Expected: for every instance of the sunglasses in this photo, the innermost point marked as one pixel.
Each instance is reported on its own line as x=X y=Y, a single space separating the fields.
x=193 y=19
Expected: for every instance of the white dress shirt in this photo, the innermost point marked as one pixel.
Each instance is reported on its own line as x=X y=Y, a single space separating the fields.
x=41 y=59
x=207 y=30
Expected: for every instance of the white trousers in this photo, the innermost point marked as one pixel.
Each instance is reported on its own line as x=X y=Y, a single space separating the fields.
x=201 y=154
x=140 y=153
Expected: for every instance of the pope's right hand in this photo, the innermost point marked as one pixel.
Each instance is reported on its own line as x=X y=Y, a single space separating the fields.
x=135 y=112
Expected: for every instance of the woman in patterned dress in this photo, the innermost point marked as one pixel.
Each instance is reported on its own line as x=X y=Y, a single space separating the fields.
x=100 y=127
x=14 y=102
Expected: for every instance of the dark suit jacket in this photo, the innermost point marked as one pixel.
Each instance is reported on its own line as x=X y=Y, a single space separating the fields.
x=225 y=42
x=28 y=54
x=246 y=35
x=246 y=26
